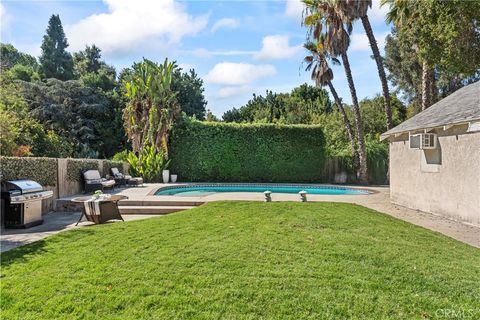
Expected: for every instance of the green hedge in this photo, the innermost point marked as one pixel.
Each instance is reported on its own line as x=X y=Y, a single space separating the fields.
x=230 y=152
x=42 y=170
x=75 y=167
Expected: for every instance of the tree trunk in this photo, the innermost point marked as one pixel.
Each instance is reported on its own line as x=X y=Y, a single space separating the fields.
x=381 y=70
x=425 y=86
x=433 y=87
x=348 y=125
x=362 y=154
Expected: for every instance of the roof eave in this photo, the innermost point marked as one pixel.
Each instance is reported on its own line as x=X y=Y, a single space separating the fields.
x=391 y=132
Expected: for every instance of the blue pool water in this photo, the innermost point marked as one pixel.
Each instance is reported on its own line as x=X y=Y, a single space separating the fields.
x=198 y=190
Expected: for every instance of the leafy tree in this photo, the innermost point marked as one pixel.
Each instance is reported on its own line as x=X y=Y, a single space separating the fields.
x=20 y=133
x=92 y=71
x=79 y=114
x=55 y=61
x=404 y=66
x=443 y=34
x=312 y=94
x=10 y=56
x=374 y=122
x=189 y=88
x=405 y=72
x=52 y=145
x=88 y=60
x=152 y=106
x=17 y=65
x=22 y=72
x=233 y=115
x=211 y=117
x=302 y=105
x=104 y=79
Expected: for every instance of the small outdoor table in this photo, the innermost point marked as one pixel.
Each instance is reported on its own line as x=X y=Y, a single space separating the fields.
x=108 y=209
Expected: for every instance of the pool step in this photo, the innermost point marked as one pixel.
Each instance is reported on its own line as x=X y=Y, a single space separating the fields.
x=152 y=209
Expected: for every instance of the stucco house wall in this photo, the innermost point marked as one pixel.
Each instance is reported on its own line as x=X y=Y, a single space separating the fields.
x=444 y=181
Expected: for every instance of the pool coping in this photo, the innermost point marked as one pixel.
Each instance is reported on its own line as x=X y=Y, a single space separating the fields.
x=314 y=185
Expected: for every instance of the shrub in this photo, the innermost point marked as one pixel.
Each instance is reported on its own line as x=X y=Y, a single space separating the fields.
x=42 y=170
x=377 y=160
x=120 y=156
x=247 y=152
x=148 y=165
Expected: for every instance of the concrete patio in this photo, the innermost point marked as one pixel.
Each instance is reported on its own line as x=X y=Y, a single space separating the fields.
x=142 y=203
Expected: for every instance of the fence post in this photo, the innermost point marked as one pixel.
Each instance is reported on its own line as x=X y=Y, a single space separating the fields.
x=61 y=177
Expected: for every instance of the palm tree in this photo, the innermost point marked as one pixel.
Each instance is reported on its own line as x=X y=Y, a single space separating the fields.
x=326 y=18
x=322 y=74
x=399 y=13
x=355 y=9
x=152 y=106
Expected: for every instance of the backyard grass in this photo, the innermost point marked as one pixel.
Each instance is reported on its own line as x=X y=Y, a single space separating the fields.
x=245 y=260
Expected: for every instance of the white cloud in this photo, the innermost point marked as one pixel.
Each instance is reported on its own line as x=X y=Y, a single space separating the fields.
x=232 y=91
x=233 y=74
x=202 y=53
x=359 y=41
x=205 y=53
x=377 y=13
x=33 y=49
x=294 y=9
x=225 y=23
x=129 y=24
x=276 y=47
x=4 y=18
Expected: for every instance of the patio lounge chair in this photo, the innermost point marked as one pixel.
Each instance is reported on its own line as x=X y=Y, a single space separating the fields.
x=93 y=181
x=123 y=179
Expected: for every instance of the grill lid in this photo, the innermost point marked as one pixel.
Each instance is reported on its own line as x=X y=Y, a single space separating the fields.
x=25 y=186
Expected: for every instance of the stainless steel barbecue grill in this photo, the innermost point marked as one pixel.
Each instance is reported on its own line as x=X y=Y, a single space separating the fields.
x=22 y=203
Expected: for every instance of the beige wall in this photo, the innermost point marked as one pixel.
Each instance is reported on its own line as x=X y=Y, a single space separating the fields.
x=445 y=181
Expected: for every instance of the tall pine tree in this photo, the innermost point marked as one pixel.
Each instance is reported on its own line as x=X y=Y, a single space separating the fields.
x=56 y=62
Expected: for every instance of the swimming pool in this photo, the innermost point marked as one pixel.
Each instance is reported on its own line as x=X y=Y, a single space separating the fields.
x=198 y=190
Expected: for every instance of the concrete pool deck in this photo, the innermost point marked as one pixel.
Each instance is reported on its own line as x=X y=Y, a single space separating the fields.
x=379 y=200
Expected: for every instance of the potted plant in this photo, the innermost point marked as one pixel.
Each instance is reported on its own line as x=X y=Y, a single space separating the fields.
x=97 y=194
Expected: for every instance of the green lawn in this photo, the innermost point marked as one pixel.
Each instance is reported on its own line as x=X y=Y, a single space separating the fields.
x=245 y=260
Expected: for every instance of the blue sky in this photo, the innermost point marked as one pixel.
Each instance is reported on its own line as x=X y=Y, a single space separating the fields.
x=237 y=47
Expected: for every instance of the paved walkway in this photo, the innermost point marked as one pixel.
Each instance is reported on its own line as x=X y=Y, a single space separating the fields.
x=380 y=201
